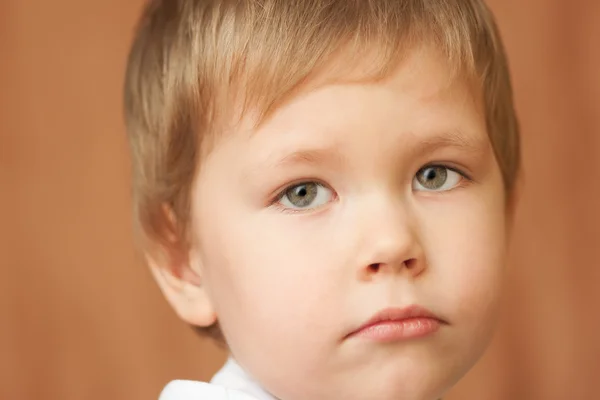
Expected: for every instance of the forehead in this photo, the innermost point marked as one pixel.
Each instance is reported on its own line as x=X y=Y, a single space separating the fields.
x=353 y=94
x=423 y=72
x=426 y=60
x=422 y=100
x=424 y=77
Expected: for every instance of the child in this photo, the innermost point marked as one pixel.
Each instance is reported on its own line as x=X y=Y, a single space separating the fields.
x=325 y=187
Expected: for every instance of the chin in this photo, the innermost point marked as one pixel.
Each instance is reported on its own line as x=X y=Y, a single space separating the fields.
x=404 y=389
x=415 y=379
x=409 y=381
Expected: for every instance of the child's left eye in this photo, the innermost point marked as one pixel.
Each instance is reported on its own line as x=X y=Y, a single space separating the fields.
x=305 y=196
x=436 y=178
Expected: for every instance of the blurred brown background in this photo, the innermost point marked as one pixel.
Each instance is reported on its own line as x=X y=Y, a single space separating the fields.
x=80 y=317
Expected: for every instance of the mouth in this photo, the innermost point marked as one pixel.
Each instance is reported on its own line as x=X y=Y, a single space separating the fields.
x=398 y=324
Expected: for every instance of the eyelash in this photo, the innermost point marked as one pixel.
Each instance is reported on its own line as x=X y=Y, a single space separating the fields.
x=466 y=180
x=450 y=167
x=276 y=199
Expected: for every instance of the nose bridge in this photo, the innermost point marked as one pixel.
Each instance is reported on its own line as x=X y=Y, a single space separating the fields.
x=389 y=233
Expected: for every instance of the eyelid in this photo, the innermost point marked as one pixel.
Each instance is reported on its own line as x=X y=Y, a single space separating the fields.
x=276 y=195
x=275 y=201
x=463 y=171
x=464 y=180
x=280 y=192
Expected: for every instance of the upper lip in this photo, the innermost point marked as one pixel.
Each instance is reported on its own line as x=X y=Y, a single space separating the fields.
x=398 y=314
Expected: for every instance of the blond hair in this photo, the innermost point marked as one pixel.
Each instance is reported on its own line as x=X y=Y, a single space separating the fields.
x=192 y=59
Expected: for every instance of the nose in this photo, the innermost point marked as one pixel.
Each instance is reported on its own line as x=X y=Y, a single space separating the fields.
x=390 y=243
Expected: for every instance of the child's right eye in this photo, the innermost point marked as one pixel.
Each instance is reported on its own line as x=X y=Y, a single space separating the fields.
x=305 y=196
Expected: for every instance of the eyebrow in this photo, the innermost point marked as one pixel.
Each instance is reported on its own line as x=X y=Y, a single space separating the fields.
x=332 y=155
x=308 y=157
x=317 y=156
x=453 y=139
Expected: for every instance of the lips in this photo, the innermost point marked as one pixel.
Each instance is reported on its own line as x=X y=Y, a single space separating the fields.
x=395 y=324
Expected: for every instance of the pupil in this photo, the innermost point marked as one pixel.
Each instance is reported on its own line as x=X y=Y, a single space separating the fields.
x=430 y=174
x=301 y=191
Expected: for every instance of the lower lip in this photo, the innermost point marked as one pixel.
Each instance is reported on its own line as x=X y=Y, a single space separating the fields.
x=393 y=331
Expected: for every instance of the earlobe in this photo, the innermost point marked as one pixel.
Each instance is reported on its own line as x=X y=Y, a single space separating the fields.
x=179 y=278
x=183 y=288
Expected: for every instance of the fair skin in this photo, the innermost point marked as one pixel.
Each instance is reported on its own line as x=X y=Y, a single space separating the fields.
x=350 y=199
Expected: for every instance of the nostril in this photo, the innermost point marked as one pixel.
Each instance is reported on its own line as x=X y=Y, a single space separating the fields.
x=411 y=263
x=374 y=267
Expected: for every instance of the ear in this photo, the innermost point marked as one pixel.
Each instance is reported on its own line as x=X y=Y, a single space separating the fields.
x=178 y=272
x=182 y=286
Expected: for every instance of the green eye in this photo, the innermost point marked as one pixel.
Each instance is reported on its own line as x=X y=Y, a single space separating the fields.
x=306 y=195
x=436 y=178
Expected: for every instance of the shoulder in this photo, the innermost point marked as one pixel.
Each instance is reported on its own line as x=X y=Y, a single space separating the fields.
x=192 y=390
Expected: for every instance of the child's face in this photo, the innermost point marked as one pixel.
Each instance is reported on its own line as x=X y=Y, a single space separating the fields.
x=353 y=199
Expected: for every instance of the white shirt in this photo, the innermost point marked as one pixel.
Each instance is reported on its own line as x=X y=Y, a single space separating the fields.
x=230 y=383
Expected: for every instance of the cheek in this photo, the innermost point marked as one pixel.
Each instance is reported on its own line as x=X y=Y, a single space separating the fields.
x=267 y=280
x=467 y=256
x=271 y=288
